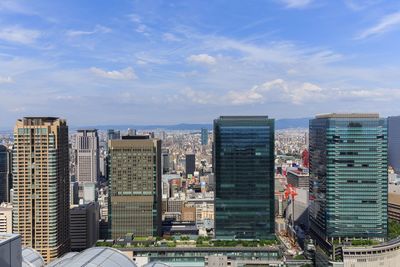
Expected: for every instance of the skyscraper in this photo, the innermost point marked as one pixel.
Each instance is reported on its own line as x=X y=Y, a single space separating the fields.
x=165 y=161
x=41 y=185
x=244 y=172
x=394 y=142
x=204 y=136
x=87 y=156
x=190 y=164
x=113 y=134
x=135 y=186
x=5 y=174
x=348 y=177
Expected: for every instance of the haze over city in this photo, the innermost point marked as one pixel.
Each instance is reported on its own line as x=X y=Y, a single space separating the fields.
x=167 y=62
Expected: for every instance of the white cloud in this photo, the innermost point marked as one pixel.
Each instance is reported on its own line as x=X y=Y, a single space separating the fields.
x=123 y=74
x=199 y=97
x=141 y=28
x=97 y=29
x=20 y=35
x=296 y=3
x=170 y=37
x=202 y=58
x=386 y=23
x=135 y=18
x=358 y=5
x=15 y=7
x=6 y=79
x=277 y=90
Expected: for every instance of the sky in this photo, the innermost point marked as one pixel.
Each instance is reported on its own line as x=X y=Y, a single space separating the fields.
x=164 y=62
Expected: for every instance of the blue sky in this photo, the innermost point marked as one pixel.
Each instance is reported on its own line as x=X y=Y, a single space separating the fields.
x=153 y=62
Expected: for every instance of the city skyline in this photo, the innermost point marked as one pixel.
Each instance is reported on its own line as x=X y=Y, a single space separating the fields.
x=131 y=61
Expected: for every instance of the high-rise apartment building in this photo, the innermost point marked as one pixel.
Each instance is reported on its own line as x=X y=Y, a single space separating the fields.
x=348 y=177
x=5 y=174
x=244 y=173
x=204 y=136
x=87 y=156
x=135 y=186
x=393 y=124
x=41 y=185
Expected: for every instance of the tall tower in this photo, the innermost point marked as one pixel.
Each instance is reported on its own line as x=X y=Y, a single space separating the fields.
x=204 y=136
x=190 y=164
x=348 y=178
x=41 y=185
x=88 y=158
x=244 y=173
x=135 y=186
x=394 y=142
x=5 y=174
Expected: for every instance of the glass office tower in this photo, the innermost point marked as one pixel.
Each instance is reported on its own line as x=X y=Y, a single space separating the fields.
x=244 y=172
x=204 y=136
x=348 y=177
x=5 y=174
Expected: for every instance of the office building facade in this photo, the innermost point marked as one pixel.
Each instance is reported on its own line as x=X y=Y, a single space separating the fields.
x=5 y=174
x=348 y=177
x=87 y=156
x=113 y=134
x=244 y=173
x=41 y=185
x=190 y=164
x=135 y=186
x=84 y=226
x=204 y=136
x=393 y=124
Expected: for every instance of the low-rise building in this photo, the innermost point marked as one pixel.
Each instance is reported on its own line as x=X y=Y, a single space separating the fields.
x=6 y=218
x=84 y=226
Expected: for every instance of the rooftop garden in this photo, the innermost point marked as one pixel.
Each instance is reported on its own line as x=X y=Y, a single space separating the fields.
x=187 y=241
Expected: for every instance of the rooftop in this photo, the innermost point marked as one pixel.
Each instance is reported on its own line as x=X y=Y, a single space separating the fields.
x=96 y=256
x=348 y=116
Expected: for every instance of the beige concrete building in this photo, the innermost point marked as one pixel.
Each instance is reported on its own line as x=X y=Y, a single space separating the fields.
x=394 y=206
x=135 y=186
x=5 y=218
x=188 y=214
x=41 y=185
x=87 y=156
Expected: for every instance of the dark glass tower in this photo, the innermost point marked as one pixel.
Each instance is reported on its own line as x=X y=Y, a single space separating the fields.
x=204 y=136
x=348 y=177
x=244 y=172
x=5 y=174
x=190 y=164
x=394 y=143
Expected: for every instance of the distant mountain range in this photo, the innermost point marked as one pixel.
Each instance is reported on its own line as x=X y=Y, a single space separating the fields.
x=279 y=125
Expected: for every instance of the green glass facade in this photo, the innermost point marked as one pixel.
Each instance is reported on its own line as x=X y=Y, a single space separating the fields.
x=348 y=176
x=244 y=171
